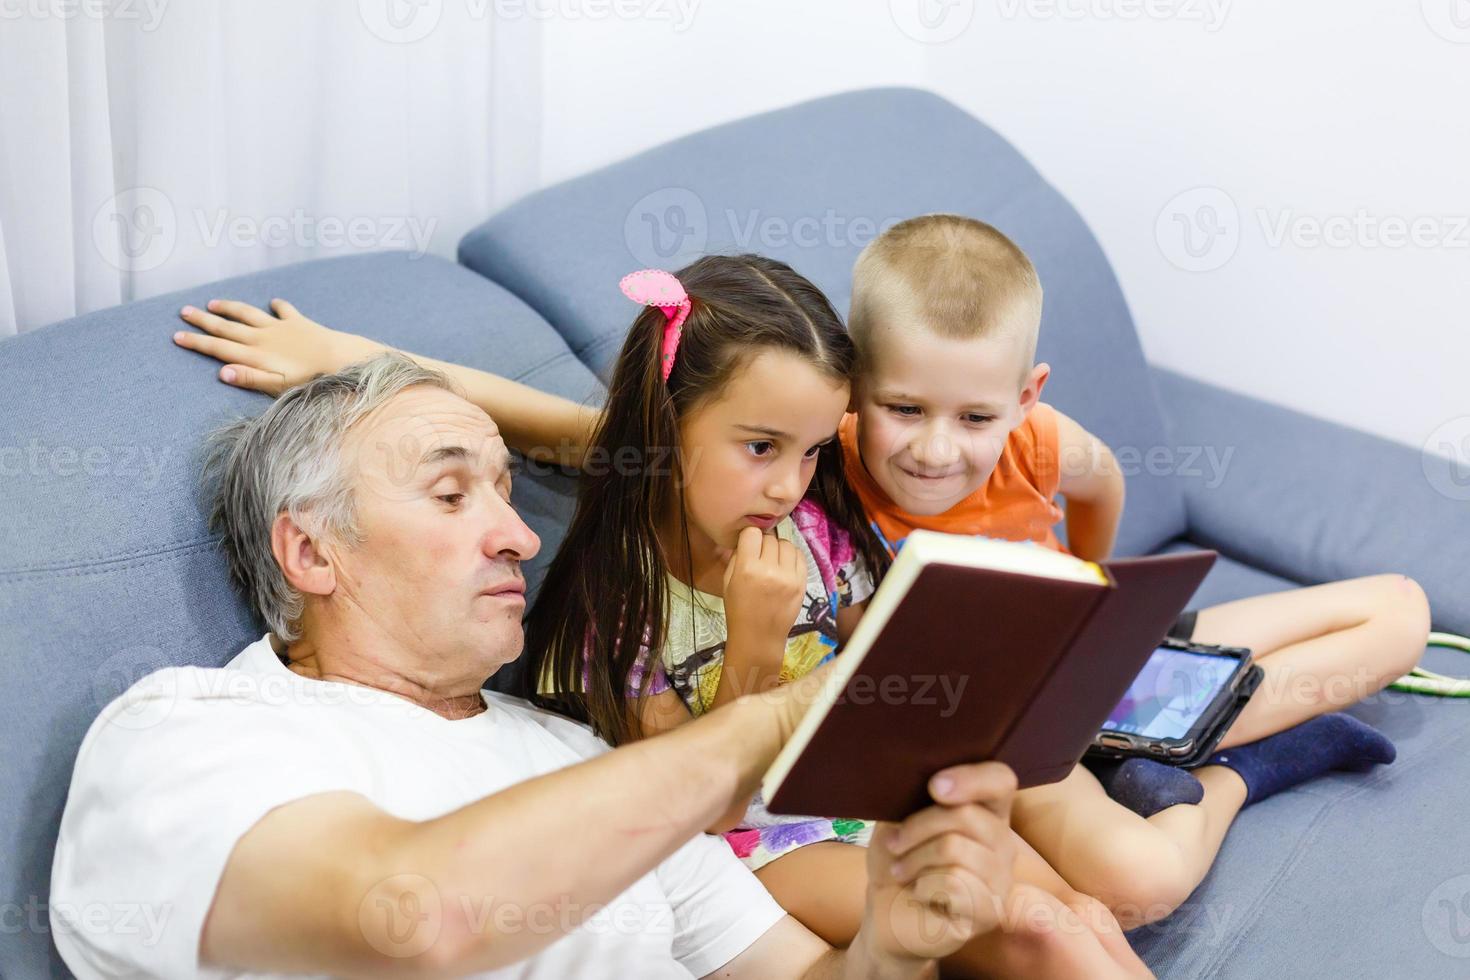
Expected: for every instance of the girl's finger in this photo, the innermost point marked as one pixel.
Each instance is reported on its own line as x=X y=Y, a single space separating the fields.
x=217 y=325
x=221 y=350
x=252 y=379
x=243 y=312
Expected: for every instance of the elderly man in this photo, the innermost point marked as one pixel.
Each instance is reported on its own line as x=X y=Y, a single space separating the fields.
x=343 y=798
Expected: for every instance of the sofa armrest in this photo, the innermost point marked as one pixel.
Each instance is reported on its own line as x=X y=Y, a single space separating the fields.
x=1314 y=501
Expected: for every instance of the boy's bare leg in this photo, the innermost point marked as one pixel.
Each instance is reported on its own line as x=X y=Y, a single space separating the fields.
x=1049 y=930
x=1323 y=648
x=1141 y=869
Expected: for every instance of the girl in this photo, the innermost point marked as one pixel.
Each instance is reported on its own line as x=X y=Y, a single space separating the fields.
x=744 y=564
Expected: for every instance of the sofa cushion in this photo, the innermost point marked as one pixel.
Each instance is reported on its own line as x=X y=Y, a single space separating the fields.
x=811 y=185
x=107 y=570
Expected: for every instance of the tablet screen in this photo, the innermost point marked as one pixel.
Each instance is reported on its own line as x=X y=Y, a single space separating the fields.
x=1170 y=693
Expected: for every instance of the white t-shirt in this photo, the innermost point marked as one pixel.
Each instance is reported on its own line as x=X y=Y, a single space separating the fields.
x=175 y=771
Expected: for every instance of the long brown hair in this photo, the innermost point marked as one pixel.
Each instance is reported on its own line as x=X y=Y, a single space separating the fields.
x=604 y=596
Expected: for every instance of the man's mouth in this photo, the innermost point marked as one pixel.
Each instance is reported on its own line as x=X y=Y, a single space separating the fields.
x=511 y=591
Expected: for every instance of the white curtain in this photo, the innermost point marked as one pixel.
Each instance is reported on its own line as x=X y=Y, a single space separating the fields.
x=148 y=145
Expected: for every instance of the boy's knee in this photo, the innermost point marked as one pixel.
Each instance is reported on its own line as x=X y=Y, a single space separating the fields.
x=1405 y=610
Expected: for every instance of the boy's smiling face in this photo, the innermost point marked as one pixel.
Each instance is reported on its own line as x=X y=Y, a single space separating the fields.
x=934 y=412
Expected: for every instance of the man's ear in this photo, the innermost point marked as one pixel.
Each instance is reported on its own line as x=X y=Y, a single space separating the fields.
x=303 y=564
x=1031 y=388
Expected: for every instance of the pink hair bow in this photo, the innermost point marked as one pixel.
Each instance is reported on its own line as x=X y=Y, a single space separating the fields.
x=655 y=287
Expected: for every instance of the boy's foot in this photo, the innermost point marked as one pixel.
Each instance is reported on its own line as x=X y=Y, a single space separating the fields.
x=1145 y=786
x=1315 y=747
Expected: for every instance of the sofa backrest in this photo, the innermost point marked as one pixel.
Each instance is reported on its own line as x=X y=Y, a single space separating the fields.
x=107 y=570
x=810 y=185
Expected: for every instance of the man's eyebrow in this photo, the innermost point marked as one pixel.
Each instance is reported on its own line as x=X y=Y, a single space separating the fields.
x=440 y=454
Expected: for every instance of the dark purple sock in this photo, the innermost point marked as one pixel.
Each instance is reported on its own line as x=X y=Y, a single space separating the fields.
x=1314 y=747
x=1145 y=786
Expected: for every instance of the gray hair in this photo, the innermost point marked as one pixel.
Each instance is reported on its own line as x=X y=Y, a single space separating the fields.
x=289 y=460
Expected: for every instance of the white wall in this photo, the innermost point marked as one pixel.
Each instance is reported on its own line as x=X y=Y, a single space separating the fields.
x=1332 y=142
x=1299 y=115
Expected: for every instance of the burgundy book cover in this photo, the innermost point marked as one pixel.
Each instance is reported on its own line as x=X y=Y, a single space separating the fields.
x=977 y=664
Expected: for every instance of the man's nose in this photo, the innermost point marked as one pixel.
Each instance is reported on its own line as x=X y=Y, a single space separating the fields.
x=508 y=536
x=935 y=446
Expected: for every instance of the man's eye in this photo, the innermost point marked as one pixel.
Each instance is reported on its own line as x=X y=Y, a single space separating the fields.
x=762 y=448
x=450 y=498
x=907 y=411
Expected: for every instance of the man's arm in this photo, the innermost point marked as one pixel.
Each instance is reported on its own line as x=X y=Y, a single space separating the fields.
x=271 y=352
x=1093 y=485
x=331 y=884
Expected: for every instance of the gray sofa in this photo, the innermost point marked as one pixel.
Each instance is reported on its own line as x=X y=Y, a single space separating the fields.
x=107 y=570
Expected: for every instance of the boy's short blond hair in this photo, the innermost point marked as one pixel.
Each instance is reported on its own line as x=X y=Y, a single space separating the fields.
x=956 y=276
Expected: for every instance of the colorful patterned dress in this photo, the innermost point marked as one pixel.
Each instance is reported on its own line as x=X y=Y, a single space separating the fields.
x=694 y=652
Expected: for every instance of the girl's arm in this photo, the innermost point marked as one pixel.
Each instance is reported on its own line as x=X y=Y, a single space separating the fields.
x=1093 y=485
x=847 y=620
x=271 y=352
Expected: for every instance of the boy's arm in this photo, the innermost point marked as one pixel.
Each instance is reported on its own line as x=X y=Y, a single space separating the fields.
x=271 y=352
x=1093 y=485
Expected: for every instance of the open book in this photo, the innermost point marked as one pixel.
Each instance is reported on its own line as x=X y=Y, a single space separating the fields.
x=975 y=649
